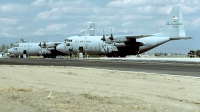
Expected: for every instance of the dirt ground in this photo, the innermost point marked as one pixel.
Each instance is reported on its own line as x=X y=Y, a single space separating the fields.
x=53 y=88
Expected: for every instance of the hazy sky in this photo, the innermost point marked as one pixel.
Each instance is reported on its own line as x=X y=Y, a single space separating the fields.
x=22 y=18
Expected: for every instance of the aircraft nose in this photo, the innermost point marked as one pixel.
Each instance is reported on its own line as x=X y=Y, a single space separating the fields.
x=60 y=48
x=10 y=50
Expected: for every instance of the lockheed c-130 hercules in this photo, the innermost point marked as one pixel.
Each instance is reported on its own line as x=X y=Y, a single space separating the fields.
x=123 y=45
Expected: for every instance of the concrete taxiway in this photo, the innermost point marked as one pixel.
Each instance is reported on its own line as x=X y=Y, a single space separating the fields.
x=162 y=66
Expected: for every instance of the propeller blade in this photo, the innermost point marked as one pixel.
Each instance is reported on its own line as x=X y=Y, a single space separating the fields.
x=39 y=44
x=103 y=38
x=111 y=36
x=44 y=44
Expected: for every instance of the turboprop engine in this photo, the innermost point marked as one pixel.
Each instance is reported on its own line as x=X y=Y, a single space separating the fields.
x=119 y=39
x=42 y=44
x=116 y=39
x=45 y=51
x=47 y=45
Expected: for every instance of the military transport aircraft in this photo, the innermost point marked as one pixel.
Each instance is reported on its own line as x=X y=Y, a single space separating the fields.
x=47 y=49
x=19 y=49
x=115 y=46
x=32 y=49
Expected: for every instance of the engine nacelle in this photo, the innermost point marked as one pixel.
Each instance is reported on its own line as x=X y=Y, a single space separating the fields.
x=109 y=49
x=122 y=44
x=120 y=39
x=51 y=48
x=51 y=45
x=45 y=51
x=119 y=44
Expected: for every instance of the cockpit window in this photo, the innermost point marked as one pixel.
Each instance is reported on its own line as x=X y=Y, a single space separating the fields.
x=68 y=40
x=16 y=45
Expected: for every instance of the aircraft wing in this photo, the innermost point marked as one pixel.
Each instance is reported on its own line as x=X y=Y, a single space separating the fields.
x=49 y=44
x=137 y=36
x=126 y=38
x=53 y=43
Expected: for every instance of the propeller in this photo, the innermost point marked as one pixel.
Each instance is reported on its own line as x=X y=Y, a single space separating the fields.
x=39 y=44
x=103 y=38
x=111 y=36
x=22 y=40
x=42 y=44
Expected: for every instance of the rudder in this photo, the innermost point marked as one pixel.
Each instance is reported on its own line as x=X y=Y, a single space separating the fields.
x=91 y=30
x=174 y=26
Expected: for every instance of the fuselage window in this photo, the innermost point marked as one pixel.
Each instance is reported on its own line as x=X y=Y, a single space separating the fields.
x=68 y=44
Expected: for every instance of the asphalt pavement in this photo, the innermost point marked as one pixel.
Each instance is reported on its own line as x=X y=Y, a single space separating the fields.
x=185 y=68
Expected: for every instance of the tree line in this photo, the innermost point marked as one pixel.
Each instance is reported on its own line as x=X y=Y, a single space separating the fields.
x=4 y=47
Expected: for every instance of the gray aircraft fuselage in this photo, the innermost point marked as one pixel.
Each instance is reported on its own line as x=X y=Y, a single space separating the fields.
x=25 y=48
x=32 y=49
x=122 y=45
x=94 y=45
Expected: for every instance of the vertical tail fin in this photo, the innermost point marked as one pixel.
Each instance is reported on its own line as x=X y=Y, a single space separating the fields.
x=91 y=30
x=174 y=26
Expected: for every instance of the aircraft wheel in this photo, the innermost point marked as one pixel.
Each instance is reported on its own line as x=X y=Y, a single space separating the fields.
x=122 y=55
x=115 y=55
x=109 y=55
x=45 y=56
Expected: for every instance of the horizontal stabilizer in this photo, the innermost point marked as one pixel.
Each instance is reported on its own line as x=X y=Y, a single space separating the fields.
x=180 y=38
